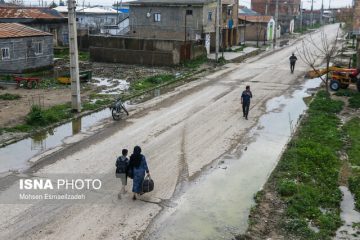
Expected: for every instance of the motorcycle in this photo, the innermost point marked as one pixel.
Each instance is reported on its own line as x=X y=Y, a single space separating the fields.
x=118 y=109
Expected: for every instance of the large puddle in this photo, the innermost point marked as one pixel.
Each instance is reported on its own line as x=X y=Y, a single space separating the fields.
x=217 y=205
x=15 y=157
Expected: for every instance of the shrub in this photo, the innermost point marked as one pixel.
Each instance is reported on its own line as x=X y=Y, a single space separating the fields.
x=9 y=96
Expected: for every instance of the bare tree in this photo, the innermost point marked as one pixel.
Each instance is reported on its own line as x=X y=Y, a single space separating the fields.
x=259 y=30
x=325 y=51
x=16 y=2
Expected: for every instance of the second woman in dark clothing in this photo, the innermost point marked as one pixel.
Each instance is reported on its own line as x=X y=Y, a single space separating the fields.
x=138 y=165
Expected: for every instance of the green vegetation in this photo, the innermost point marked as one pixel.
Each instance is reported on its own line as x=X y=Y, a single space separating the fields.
x=354 y=101
x=64 y=53
x=354 y=97
x=97 y=104
x=238 y=49
x=354 y=61
x=40 y=117
x=84 y=56
x=352 y=129
x=307 y=175
x=150 y=82
x=9 y=96
x=195 y=63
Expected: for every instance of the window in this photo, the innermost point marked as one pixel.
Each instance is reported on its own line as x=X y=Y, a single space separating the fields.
x=209 y=16
x=189 y=12
x=5 y=53
x=157 y=17
x=38 y=48
x=229 y=11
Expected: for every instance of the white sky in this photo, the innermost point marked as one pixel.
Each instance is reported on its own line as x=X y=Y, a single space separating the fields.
x=306 y=3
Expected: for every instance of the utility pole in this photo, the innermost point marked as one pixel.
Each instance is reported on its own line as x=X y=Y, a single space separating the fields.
x=322 y=12
x=217 y=26
x=312 y=14
x=301 y=17
x=276 y=20
x=74 y=61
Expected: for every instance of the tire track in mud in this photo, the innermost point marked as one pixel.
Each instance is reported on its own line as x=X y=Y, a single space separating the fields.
x=184 y=168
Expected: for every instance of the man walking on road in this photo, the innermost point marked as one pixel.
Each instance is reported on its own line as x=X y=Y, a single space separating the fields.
x=293 y=60
x=245 y=101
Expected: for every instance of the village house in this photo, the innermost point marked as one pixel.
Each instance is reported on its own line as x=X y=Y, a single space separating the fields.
x=229 y=23
x=93 y=18
x=289 y=11
x=258 y=28
x=24 y=48
x=45 y=19
x=181 y=20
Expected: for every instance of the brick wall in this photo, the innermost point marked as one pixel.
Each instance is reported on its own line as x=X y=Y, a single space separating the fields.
x=139 y=51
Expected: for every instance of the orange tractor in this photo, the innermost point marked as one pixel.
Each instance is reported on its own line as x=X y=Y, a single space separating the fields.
x=340 y=77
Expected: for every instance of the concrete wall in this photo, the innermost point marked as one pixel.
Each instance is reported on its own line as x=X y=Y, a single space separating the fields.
x=139 y=51
x=172 y=23
x=22 y=54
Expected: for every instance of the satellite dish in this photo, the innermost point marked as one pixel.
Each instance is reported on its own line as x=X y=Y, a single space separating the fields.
x=148 y=15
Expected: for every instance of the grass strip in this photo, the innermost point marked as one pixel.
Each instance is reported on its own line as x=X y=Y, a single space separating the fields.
x=9 y=96
x=307 y=175
x=150 y=82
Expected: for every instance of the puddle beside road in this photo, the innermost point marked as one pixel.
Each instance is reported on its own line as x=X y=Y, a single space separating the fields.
x=111 y=86
x=15 y=157
x=217 y=205
x=349 y=215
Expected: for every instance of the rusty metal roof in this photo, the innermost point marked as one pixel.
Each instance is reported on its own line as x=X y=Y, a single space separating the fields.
x=16 y=30
x=29 y=12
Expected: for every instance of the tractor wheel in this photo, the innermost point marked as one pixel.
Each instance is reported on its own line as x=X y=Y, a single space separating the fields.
x=344 y=86
x=334 y=85
x=358 y=85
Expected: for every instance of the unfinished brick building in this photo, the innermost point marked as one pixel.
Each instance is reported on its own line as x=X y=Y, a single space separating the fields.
x=289 y=11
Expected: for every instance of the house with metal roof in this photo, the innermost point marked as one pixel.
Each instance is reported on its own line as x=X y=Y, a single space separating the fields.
x=257 y=28
x=23 y=48
x=95 y=17
x=44 y=19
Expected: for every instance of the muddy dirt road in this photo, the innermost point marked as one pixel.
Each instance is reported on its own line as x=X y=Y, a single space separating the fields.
x=180 y=133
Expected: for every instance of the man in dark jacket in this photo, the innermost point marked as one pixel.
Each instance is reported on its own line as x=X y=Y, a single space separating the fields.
x=293 y=60
x=245 y=101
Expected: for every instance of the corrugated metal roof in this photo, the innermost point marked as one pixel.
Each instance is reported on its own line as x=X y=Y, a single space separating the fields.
x=247 y=11
x=16 y=30
x=263 y=19
x=32 y=13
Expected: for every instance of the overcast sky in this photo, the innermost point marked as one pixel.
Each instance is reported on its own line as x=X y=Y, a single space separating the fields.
x=306 y=3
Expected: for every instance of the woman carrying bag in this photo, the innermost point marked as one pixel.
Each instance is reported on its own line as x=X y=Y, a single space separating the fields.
x=138 y=165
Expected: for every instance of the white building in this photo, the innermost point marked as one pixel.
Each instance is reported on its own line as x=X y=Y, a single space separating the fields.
x=93 y=17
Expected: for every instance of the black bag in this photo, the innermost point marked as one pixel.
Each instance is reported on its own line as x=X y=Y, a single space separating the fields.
x=148 y=184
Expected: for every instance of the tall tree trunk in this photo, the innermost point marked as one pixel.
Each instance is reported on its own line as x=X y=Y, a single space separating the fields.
x=327 y=75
